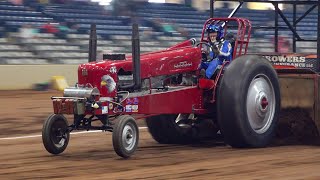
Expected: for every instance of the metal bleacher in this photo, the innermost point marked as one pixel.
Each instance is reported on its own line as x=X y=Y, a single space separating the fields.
x=114 y=32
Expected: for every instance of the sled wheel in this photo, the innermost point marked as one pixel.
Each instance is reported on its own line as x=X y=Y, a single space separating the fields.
x=55 y=134
x=125 y=136
x=249 y=102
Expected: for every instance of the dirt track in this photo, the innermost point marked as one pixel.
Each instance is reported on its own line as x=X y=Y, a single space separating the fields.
x=91 y=156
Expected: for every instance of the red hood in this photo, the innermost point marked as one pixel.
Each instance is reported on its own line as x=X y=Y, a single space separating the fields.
x=178 y=59
x=152 y=64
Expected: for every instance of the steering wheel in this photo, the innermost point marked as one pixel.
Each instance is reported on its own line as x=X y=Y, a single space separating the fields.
x=205 y=51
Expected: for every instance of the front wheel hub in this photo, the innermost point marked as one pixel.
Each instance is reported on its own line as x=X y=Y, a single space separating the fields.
x=129 y=137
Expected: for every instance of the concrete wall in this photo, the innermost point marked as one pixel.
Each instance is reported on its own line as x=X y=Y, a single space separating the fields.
x=24 y=76
x=175 y=1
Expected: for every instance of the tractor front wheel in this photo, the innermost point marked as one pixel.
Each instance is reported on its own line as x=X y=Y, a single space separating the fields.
x=249 y=102
x=55 y=134
x=125 y=136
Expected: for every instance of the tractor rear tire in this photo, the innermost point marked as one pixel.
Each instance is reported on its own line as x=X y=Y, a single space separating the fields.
x=249 y=102
x=165 y=130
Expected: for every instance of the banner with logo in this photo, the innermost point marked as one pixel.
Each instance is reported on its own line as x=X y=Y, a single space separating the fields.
x=296 y=60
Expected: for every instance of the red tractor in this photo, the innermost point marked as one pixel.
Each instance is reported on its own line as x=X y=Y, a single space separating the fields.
x=241 y=101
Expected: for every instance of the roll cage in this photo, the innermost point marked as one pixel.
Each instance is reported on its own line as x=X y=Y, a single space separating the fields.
x=240 y=25
x=292 y=26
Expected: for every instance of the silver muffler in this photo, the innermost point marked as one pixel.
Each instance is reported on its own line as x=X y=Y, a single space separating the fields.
x=81 y=92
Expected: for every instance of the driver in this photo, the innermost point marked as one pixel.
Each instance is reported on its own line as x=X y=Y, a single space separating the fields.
x=220 y=50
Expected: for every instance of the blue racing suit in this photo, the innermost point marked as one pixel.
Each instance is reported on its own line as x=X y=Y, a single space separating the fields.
x=225 y=54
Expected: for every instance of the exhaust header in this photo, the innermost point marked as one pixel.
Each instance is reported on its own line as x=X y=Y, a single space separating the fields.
x=135 y=60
